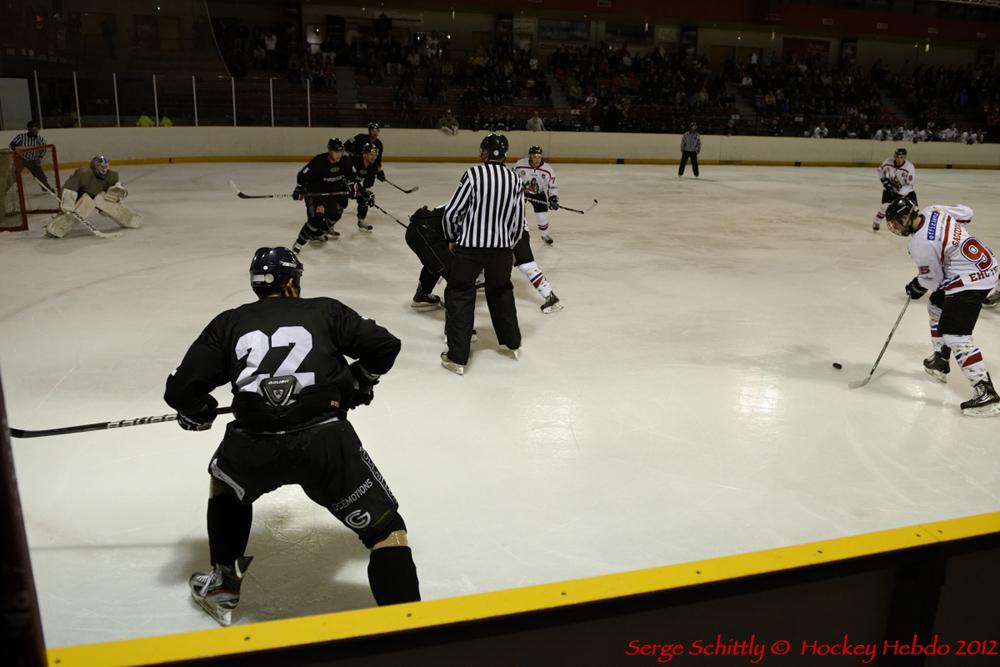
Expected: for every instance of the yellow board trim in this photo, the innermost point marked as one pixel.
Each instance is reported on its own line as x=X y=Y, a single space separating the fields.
x=384 y=620
x=472 y=160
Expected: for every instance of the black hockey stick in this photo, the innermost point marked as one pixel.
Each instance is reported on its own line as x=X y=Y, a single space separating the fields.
x=576 y=210
x=243 y=195
x=403 y=190
x=76 y=216
x=103 y=426
x=398 y=221
x=860 y=383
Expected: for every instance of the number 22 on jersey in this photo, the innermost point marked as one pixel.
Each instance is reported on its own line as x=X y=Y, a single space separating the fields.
x=255 y=345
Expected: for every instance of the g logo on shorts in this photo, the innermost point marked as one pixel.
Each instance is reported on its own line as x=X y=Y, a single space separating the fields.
x=358 y=519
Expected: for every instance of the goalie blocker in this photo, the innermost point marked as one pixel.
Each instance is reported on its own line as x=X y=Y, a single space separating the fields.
x=93 y=187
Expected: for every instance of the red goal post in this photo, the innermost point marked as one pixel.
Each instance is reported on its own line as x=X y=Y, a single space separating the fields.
x=22 y=196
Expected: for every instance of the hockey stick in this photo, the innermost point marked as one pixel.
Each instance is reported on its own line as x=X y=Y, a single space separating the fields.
x=576 y=210
x=860 y=383
x=397 y=220
x=79 y=218
x=403 y=190
x=103 y=426
x=243 y=195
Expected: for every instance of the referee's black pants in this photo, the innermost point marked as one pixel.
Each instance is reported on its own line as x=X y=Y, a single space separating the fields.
x=460 y=299
x=35 y=168
x=685 y=156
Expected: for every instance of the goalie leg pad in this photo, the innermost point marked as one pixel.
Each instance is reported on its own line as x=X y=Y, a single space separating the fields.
x=61 y=223
x=118 y=212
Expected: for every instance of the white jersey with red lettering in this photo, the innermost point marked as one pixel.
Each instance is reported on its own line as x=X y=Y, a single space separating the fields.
x=948 y=257
x=902 y=178
x=537 y=181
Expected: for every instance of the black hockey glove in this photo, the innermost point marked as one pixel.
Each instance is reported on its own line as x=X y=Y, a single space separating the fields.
x=200 y=419
x=298 y=193
x=368 y=197
x=364 y=386
x=914 y=289
x=887 y=184
x=380 y=175
x=554 y=202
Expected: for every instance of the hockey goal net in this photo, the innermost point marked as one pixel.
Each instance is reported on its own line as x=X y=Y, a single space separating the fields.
x=21 y=170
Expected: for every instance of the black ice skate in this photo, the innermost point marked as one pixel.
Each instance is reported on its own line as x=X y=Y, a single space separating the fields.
x=364 y=226
x=547 y=239
x=551 y=304
x=424 y=300
x=937 y=365
x=985 y=403
x=875 y=225
x=218 y=591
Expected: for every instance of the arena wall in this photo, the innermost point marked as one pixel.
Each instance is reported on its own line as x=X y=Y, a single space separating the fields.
x=133 y=145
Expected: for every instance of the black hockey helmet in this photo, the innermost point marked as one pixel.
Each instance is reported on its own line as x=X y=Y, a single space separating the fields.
x=369 y=147
x=535 y=150
x=898 y=215
x=372 y=126
x=335 y=144
x=271 y=268
x=900 y=152
x=494 y=147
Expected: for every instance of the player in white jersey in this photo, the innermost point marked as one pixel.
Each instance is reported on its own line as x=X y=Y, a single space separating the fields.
x=960 y=271
x=897 y=175
x=540 y=189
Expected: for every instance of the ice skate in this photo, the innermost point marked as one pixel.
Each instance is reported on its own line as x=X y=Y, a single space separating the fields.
x=218 y=591
x=424 y=300
x=875 y=226
x=937 y=366
x=364 y=226
x=513 y=353
x=547 y=239
x=456 y=368
x=985 y=403
x=320 y=242
x=551 y=304
x=993 y=300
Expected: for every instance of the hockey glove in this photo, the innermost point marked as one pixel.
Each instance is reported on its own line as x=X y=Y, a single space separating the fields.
x=200 y=419
x=914 y=289
x=298 y=193
x=554 y=202
x=887 y=184
x=380 y=175
x=368 y=197
x=364 y=386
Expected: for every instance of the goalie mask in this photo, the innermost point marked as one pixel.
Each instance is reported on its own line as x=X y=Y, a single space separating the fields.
x=271 y=268
x=899 y=216
x=99 y=165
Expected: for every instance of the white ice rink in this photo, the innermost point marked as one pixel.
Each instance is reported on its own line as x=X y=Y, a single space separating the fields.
x=682 y=406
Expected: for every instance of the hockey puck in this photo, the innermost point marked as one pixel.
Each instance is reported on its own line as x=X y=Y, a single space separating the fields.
x=837 y=366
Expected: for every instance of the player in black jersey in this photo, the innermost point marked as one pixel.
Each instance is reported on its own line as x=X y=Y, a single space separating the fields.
x=357 y=143
x=330 y=172
x=425 y=238
x=365 y=171
x=292 y=387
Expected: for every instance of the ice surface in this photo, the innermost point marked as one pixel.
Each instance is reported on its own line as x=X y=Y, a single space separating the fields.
x=682 y=406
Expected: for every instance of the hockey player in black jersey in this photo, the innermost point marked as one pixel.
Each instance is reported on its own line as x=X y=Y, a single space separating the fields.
x=425 y=238
x=357 y=143
x=365 y=171
x=330 y=172
x=292 y=387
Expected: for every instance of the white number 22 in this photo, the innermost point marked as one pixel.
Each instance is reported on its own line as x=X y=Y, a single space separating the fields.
x=255 y=346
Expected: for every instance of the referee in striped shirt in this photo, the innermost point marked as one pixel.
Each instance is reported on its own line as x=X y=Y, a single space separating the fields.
x=483 y=221
x=32 y=160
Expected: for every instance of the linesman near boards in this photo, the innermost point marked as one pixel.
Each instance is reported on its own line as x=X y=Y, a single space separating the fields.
x=292 y=388
x=483 y=221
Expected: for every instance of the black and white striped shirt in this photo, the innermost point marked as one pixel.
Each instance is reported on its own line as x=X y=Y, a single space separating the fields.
x=23 y=140
x=487 y=210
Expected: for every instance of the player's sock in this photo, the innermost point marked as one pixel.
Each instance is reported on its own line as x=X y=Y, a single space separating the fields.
x=228 y=528
x=537 y=278
x=393 y=576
